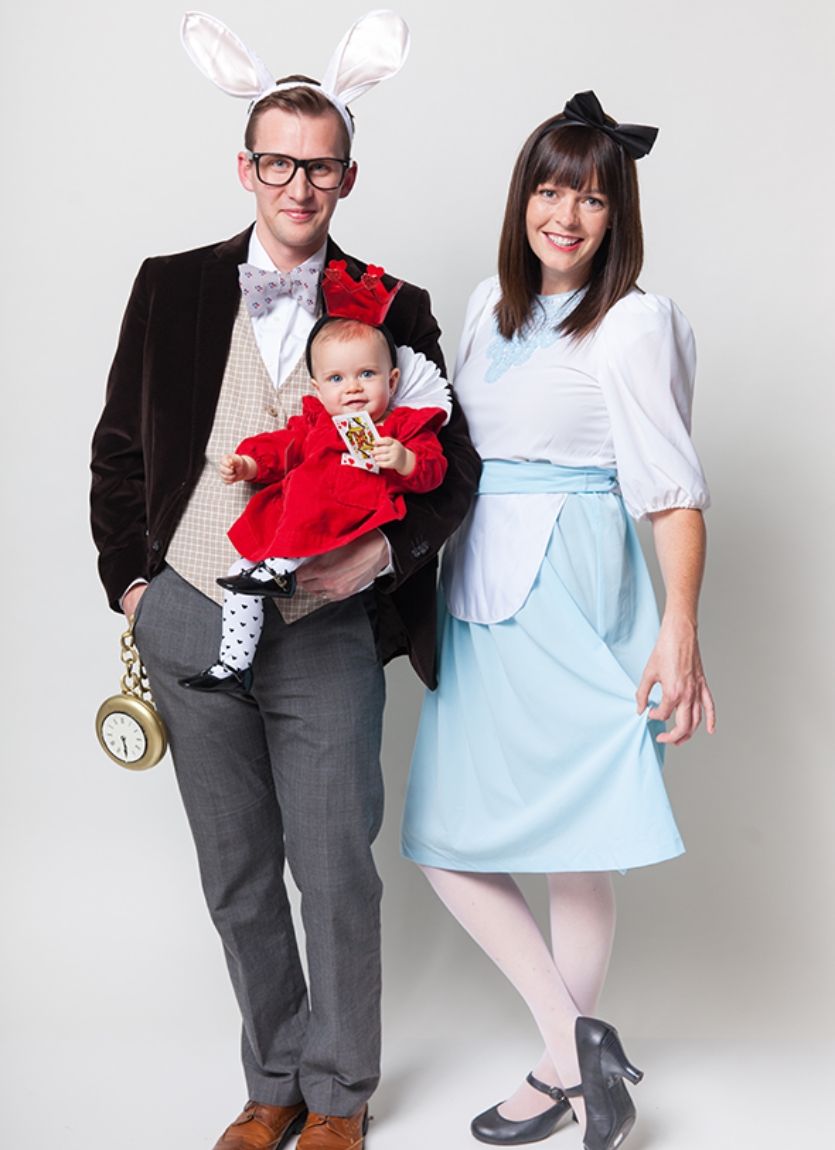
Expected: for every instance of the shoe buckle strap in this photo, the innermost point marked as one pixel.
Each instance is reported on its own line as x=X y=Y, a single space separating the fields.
x=555 y=1092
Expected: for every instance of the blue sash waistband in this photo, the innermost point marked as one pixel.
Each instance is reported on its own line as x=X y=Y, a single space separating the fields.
x=508 y=477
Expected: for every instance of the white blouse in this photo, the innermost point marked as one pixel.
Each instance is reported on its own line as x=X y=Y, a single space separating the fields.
x=620 y=398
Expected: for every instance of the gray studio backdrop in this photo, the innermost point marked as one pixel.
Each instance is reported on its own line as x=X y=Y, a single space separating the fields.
x=116 y=148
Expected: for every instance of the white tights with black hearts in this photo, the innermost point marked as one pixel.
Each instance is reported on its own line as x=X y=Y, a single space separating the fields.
x=243 y=616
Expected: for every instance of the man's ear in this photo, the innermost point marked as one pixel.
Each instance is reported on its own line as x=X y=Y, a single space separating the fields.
x=246 y=171
x=349 y=181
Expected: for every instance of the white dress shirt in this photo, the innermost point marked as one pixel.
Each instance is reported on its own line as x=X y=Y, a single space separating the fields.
x=281 y=333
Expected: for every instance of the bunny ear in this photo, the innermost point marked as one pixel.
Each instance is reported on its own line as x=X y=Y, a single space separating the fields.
x=373 y=49
x=222 y=58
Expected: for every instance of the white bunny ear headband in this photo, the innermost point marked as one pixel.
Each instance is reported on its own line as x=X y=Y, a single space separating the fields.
x=373 y=49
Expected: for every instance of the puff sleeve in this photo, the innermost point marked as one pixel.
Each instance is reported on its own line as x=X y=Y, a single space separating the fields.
x=646 y=371
x=485 y=295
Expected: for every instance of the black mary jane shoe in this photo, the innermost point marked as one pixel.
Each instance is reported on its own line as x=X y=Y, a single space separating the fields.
x=278 y=587
x=499 y=1131
x=610 y=1112
x=232 y=681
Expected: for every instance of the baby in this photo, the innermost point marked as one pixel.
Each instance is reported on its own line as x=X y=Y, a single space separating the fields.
x=318 y=496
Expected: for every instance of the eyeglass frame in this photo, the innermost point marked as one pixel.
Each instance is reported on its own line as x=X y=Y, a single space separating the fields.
x=256 y=157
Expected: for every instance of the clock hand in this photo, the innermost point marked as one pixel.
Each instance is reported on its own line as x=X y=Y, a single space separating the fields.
x=124 y=745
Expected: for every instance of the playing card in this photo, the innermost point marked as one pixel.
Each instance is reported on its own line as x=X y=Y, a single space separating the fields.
x=362 y=464
x=359 y=435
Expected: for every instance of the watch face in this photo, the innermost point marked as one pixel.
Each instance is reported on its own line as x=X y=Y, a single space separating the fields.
x=131 y=731
x=124 y=737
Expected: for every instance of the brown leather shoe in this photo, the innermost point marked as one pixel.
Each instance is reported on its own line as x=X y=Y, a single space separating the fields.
x=262 y=1127
x=324 y=1132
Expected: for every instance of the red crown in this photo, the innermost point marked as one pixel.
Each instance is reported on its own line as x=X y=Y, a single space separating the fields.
x=365 y=299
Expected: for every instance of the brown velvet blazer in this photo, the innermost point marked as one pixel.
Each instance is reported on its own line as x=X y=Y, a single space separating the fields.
x=162 y=391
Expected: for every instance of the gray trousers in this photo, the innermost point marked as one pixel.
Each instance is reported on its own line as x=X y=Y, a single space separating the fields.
x=292 y=773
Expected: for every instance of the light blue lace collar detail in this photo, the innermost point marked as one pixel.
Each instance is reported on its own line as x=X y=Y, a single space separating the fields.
x=540 y=331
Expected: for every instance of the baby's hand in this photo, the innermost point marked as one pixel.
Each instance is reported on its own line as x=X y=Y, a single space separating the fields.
x=235 y=468
x=391 y=453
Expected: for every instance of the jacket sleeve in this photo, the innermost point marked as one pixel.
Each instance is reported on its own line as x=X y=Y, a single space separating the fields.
x=117 y=496
x=277 y=452
x=433 y=516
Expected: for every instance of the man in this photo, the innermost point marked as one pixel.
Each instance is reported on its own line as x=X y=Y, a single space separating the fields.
x=291 y=771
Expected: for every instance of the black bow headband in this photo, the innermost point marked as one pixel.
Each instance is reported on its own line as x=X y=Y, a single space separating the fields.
x=584 y=108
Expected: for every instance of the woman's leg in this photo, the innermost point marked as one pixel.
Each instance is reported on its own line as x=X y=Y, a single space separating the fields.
x=582 y=913
x=492 y=909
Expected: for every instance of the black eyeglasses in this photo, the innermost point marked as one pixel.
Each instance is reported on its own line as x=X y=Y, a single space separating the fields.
x=323 y=172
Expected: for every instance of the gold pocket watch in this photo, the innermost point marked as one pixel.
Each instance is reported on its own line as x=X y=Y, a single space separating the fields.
x=128 y=725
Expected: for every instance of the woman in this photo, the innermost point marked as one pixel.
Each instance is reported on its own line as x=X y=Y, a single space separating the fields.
x=532 y=756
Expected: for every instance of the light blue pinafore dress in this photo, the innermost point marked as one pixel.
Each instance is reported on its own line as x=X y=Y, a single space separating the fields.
x=531 y=755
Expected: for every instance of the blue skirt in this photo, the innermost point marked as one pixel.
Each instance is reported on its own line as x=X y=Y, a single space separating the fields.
x=530 y=755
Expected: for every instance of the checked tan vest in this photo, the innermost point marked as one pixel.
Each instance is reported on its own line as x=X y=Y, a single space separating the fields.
x=248 y=404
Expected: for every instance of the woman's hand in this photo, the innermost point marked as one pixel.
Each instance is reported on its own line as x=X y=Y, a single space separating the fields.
x=675 y=663
x=391 y=453
x=235 y=468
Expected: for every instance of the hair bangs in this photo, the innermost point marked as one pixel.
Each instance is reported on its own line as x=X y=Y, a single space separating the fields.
x=572 y=157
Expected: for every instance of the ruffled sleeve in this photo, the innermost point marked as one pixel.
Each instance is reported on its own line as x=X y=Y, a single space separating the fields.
x=421 y=383
x=647 y=372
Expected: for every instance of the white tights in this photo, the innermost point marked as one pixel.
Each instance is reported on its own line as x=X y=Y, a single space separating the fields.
x=557 y=983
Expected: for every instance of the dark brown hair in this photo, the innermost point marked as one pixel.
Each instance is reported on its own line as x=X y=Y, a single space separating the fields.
x=304 y=102
x=578 y=157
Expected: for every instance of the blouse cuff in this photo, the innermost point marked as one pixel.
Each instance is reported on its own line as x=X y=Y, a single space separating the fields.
x=671 y=502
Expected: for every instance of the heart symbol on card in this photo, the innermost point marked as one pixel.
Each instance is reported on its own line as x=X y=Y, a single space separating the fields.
x=369 y=466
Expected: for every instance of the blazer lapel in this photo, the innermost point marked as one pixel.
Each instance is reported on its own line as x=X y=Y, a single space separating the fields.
x=219 y=296
x=334 y=252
